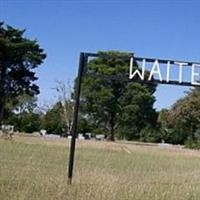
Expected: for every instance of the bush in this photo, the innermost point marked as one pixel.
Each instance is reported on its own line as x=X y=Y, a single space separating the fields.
x=149 y=134
x=192 y=144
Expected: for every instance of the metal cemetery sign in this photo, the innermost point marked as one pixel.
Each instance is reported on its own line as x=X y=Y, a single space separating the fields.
x=159 y=71
x=165 y=78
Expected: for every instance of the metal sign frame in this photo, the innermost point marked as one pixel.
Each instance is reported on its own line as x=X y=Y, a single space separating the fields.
x=83 y=60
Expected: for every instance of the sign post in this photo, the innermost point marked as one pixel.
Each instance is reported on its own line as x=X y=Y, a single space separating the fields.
x=75 y=118
x=137 y=75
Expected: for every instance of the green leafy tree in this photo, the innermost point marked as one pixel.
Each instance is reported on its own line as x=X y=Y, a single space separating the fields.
x=52 y=120
x=83 y=125
x=28 y=122
x=18 y=57
x=31 y=122
x=182 y=121
x=166 y=127
x=116 y=106
x=186 y=114
x=138 y=118
x=24 y=114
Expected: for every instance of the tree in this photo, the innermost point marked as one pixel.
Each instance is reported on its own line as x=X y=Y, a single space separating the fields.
x=18 y=57
x=138 y=117
x=182 y=121
x=28 y=122
x=166 y=128
x=23 y=114
x=58 y=118
x=52 y=120
x=64 y=91
x=116 y=105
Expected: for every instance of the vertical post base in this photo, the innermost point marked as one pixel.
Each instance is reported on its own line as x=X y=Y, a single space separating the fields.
x=69 y=181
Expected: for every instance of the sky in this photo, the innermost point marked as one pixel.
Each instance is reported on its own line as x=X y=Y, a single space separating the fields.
x=167 y=29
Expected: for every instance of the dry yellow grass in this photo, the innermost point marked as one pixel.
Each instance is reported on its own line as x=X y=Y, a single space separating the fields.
x=34 y=168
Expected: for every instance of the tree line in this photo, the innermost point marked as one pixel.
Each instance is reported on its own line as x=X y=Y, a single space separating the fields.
x=116 y=108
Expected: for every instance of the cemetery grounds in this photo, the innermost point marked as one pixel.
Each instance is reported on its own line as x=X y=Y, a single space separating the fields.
x=36 y=168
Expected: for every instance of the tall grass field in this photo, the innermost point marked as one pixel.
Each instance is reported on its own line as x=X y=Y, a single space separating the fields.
x=34 y=168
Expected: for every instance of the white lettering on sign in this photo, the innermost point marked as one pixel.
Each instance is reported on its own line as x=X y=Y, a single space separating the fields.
x=156 y=71
x=168 y=71
x=180 y=80
x=194 y=74
x=137 y=72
